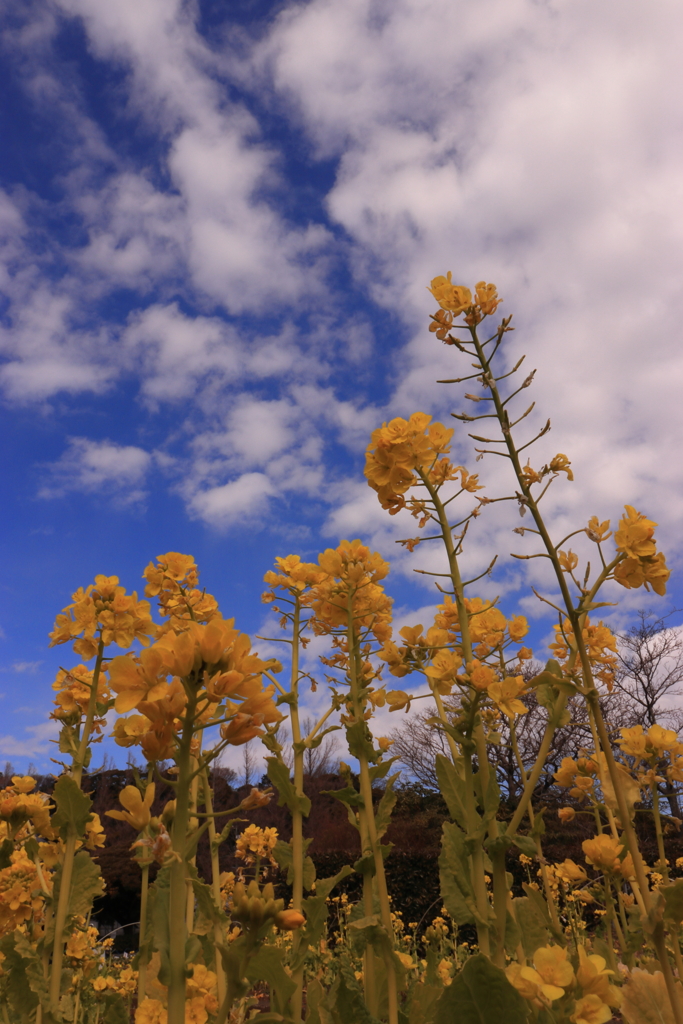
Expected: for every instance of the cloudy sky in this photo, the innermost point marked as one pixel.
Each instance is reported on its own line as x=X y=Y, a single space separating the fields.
x=217 y=222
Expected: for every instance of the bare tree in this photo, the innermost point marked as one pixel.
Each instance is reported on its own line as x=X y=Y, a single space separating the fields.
x=649 y=681
x=651 y=671
x=249 y=761
x=320 y=760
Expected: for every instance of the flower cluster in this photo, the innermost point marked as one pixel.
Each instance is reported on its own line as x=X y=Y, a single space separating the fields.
x=21 y=897
x=642 y=565
x=103 y=611
x=19 y=804
x=174 y=581
x=600 y=643
x=608 y=856
x=350 y=584
x=400 y=447
x=212 y=661
x=255 y=842
x=73 y=694
x=455 y=299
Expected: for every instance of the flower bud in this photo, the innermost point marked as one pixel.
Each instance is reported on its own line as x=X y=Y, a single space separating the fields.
x=566 y=814
x=289 y=920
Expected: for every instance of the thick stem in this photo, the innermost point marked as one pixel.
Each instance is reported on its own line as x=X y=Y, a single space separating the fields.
x=366 y=794
x=178 y=871
x=215 y=885
x=142 y=960
x=62 y=910
x=296 y=1002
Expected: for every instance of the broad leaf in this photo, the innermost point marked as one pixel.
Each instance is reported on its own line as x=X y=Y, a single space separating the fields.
x=481 y=994
x=454 y=871
x=278 y=773
x=73 y=808
x=452 y=789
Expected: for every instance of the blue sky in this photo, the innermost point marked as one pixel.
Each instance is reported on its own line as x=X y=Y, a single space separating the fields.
x=217 y=222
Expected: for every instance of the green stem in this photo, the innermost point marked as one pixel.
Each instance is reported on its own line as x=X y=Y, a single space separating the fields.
x=296 y=1002
x=178 y=869
x=664 y=868
x=142 y=959
x=215 y=887
x=366 y=794
x=62 y=911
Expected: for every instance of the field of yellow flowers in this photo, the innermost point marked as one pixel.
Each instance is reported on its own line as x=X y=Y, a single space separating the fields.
x=186 y=683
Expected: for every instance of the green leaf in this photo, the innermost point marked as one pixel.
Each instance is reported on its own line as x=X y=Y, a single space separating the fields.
x=208 y=913
x=541 y=906
x=115 y=1009
x=283 y=853
x=379 y=771
x=68 y=740
x=481 y=994
x=17 y=990
x=367 y=862
x=278 y=773
x=422 y=1003
x=513 y=934
x=526 y=845
x=348 y=796
x=73 y=808
x=345 y=1001
x=267 y=966
x=673 y=901
x=532 y=925
x=454 y=871
x=452 y=788
x=6 y=851
x=359 y=740
x=86 y=884
x=386 y=806
x=314 y=996
x=316 y=910
x=33 y=968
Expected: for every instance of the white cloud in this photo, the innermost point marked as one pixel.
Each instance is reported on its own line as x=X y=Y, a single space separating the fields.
x=98 y=467
x=26 y=666
x=34 y=744
x=174 y=351
x=233 y=502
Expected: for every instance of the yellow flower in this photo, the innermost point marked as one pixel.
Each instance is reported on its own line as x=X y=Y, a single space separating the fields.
x=23 y=783
x=255 y=842
x=398 y=700
x=594 y=978
x=505 y=695
x=527 y=981
x=95 y=837
x=406 y=960
x=137 y=811
x=561 y=464
x=518 y=627
x=591 y=1010
x=635 y=534
x=598 y=531
x=571 y=873
x=445 y=971
x=633 y=741
x=443 y=670
x=481 y=676
x=452 y=297
x=553 y=966
x=566 y=814
x=604 y=853
x=151 y=1011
